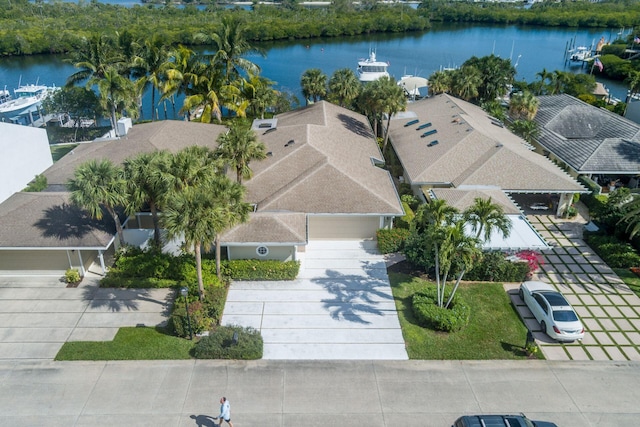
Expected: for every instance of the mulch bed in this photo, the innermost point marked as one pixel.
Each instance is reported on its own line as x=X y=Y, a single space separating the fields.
x=405 y=267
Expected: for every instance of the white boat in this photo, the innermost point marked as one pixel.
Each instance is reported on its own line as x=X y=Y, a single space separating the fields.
x=412 y=86
x=26 y=101
x=580 y=54
x=371 y=69
x=5 y=95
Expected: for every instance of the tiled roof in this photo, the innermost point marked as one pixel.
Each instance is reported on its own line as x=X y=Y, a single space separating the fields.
x=587 y=138
x=472 y=149
x=49 y=220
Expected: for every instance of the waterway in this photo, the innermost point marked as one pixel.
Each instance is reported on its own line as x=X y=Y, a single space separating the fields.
x=530 y=48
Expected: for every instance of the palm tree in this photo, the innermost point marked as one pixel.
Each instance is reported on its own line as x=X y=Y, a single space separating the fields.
x=259 y=92
x=238 y=147
x=314 y=85
x=393 y=100
x=230 y=45
x=116 y=93
x=93 y=58
x=147 y=184
x=486 y=217
x=633 y=80
x=523 y=105
x=181 y=73
x=526 y=129
x=98 y=185
x=466 y=82
x=632 y=217
x=344 y=87
x=439 y=82
x=205 y=99
x=458 y=253
x=190 y=167
x=150 y=63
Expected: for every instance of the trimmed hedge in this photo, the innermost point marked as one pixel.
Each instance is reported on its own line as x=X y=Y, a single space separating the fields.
x=254 y=269
x=494 y=267
x=391 y=240
x=405 y=220
x=428 y=314
x=220 y=344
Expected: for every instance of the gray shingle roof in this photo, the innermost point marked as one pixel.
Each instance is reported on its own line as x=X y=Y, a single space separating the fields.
x=49 y=220
x=463 y=199
x=587 y=138
x=472 y=149
x=284 y=227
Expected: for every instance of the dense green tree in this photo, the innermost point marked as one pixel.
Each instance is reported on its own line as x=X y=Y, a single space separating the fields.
x=496 y=75
x=465 y=82
x=117 y=94
x=93 y=57
x=78 y=103
x=523 y=105
x=440 y=82
x=526 y=129
x=98 y=185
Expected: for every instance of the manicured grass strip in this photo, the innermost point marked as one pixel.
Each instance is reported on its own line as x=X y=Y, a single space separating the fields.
x=130 y=344
x=630 y=278
x=58 y=151
x=495 y=330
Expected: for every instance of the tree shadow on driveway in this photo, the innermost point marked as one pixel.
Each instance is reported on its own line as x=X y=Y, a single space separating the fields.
x=355 y=295
x=117 y=300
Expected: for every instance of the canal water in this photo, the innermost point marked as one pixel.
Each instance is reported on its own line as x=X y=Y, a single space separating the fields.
x=530 y=49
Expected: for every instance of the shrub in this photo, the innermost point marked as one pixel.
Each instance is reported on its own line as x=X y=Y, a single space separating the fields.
x=72 y=275
x=202 y=314
x=405 y=220
x=136 y=282
x=614 y=252
x=254 y=269
x=220 y=344
x=391 y=240
x=38 y=184
x=428 y=314
x=495 y=267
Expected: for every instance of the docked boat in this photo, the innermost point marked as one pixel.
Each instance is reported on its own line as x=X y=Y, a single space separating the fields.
x=580 y=54
x=414 y=87
x=24 y=105
x=371 y=69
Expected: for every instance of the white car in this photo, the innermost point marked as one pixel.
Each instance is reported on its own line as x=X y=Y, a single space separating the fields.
x=550 y=308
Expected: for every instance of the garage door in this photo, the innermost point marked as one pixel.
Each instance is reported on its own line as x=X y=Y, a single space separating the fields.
x=42 y=262
x=343 y=227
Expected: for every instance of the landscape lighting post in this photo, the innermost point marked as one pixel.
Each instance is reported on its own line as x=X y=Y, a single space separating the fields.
x=184 y=292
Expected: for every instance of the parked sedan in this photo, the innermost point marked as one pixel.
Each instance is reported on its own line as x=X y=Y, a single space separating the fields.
x=550 y=308
x=499 y=421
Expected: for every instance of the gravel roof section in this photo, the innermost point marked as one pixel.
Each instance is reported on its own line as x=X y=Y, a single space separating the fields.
x=587 y=138
x=321 y=161
x=281 y=227
x=49 y=220
x=463 y=199
x=473 y=149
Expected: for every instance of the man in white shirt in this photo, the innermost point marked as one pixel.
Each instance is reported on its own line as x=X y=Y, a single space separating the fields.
x=225 y=412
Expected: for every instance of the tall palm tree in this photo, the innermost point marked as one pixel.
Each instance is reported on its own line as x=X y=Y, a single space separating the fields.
x=150 y=64
x=486 y=217
x=205 y=96
x=117 y=93
x=147 y=184
x=93 y=58
x=633 y=80
x=466 y=82
x=314 y=85
x=182 y=71
x=393 y=100
x=238 y=147
x=98 y=185
x=230 y=46
x=632 y=217
x=344 y=87
x=523 y=105
x=190 y=167
x=458 y=253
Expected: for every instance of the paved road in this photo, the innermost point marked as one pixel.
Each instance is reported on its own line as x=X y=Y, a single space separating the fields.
x=305 y=393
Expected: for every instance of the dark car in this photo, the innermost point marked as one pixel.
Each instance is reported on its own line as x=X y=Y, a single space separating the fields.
x=499 y=421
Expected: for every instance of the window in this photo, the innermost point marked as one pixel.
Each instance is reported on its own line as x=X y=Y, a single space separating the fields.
x=262 y=250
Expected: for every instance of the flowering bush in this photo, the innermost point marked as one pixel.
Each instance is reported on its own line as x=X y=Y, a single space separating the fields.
x=533 y=259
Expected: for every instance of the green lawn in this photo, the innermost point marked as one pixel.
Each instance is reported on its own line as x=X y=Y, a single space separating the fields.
x=58 y=151
x=130 y=344
x=630 y=278
x=495 y=330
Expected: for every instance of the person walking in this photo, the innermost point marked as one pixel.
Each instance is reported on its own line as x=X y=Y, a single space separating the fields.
x=225 y=412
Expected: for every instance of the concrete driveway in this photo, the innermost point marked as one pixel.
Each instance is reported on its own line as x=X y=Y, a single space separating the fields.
x=38 y=314
x=340 y=307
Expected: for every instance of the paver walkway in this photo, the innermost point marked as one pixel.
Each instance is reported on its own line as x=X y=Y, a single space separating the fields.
x=340 y=307
x=609 y=310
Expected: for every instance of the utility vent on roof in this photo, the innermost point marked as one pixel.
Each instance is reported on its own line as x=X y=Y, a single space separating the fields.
x=426 y=125
x=264 y=125
x=269 y=130
x=269 y=153
x=432 y=143
x=411 y=123
x=290 y=142
x=497 y=123
x=431 y=132
x=498 y=145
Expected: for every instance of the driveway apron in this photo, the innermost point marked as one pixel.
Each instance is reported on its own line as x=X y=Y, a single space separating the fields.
x=340 y=307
